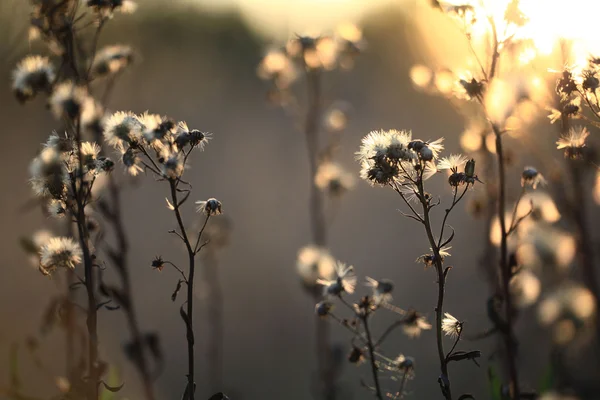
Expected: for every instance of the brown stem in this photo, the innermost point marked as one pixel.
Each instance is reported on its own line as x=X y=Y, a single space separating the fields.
x=92 y=316
x=439 y=309
x=505 y=271
x=372 y=360
x=190 y=290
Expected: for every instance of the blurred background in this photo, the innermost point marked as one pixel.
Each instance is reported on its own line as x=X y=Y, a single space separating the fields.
x=197 y=61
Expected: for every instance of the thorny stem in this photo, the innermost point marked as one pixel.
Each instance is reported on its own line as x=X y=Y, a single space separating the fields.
x=505 y=271
x=373 y=362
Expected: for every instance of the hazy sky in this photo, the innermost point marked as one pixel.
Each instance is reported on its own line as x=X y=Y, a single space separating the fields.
x=284 y=17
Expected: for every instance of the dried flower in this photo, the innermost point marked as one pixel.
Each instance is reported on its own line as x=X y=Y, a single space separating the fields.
x=132 y=161
x=69 y=100
x=531 y=177
x=345 y=281
x=451 y=326
x=356 y=356
x=173 y=166
x=429 y=259
x=382 y=289
x=404 y=364
x=333 y=178
x=33 y=74
x=573 y=142
x=194 y=137
x=59 y=252
x=315 y=263
x=111 y=60
x=209 y=207
x=122 y=128
x=48 y=174
x=323 y=308
x=414 y=323
x=158 y=263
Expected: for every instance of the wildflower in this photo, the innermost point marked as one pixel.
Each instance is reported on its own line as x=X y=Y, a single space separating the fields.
x=414 y=323
x=452 y=163
x=48 y=174
x=59 y=252
x=573 y=142
x=590 y=81
x=111 y=60
x=451 y=326
x=132 y=162
x=405 y=364
x=315 y=263
x=106 y=8
x=531 y=177
x=382 y=289
x=158 y=263
x=194 y=137
x=323 y=308
x=89 y=154
x=427 y=151
x=122 y=128
x=525 y=288
x=173 y=166
x=473 y=88
x=209 y=207
x=429 y=259
x=332 y=177
x=33 y=74
x=69 y=100
x=32 y=245
x=356 y=356
x=156 y=128
x=566 y=84
x=345 y=281
x=383 y=154
x=61 y=144
x=56 y=208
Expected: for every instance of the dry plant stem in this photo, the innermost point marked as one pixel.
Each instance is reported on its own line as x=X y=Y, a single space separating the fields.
x=439 y=309
x=402 y=385
x=190 y=287
x=120 y=259
x=505 y=271
x=92 y=313
x=317 y=216
x=372 y=360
